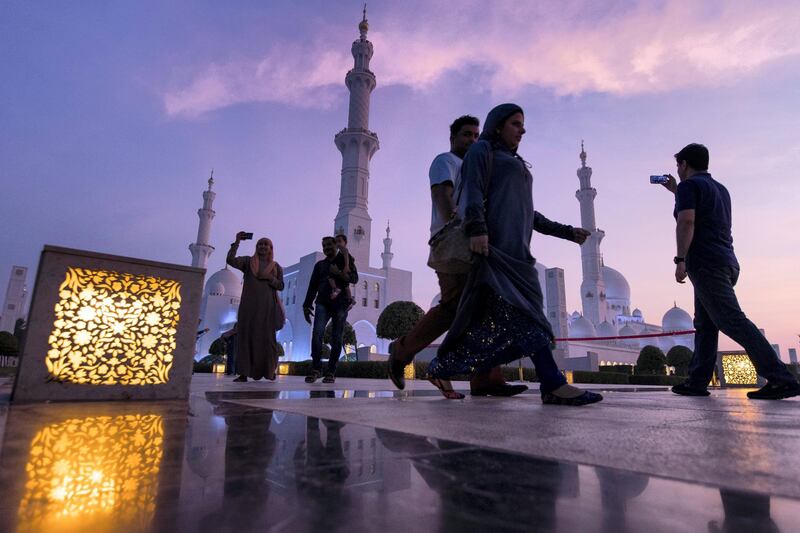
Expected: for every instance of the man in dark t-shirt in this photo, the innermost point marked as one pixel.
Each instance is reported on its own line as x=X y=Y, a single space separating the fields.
x=705 y=255
x=327 y=309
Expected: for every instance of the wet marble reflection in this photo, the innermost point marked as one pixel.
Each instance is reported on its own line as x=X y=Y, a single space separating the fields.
x=222 y=465
x=65 y=468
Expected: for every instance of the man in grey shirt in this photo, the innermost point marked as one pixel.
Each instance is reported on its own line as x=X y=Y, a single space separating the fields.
x=444 y=182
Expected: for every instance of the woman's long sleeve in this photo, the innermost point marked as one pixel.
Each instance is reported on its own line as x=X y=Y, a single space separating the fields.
x=474 y=175
x=544 y=225
x=277 y=280
x=236 y=262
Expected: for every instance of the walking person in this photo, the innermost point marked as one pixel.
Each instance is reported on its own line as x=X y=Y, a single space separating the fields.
x=319 y=305
x=260 y=311
x=500 y=317
x=445 y=179
x=705 y=254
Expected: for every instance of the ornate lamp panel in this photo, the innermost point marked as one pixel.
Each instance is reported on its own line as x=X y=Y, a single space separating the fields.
x=105 y=327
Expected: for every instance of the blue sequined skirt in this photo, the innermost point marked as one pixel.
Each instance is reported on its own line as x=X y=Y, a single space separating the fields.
x=500 y=335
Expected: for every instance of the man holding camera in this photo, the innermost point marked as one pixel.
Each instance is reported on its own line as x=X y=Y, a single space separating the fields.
x=705 y=254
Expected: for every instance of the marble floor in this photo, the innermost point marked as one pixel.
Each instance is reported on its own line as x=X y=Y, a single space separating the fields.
x=359 y=456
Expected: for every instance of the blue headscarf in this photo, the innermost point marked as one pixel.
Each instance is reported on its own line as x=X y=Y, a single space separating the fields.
x=496 y=118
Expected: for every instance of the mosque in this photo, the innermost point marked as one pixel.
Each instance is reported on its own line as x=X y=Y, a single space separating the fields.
x=606 y=302
x=605 y=293
x=377 y=286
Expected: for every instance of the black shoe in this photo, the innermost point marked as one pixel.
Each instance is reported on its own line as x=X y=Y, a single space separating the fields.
x=584 y=399
x=313 y=376
x=775 y=392
x=500 y=389
x=240 y=379
x=396 y=370
x=329 y=378
x=687 y=390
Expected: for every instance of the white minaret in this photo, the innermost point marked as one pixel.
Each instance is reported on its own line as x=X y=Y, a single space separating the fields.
x=593 y=289
x=14 y=304
x=357 y=145
x=201 y=250
x=387 y=254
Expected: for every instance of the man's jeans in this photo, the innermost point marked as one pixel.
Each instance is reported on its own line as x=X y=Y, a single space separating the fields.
x=337 y=316
x=717 y=309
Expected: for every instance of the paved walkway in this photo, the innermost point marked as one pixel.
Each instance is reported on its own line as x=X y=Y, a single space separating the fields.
x=359 y=456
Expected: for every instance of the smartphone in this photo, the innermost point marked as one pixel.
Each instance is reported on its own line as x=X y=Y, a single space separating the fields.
x=659 y=180
x=247 y=236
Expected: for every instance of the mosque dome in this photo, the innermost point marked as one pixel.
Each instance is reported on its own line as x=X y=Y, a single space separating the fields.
x=617 y=287
x=637 y=313
x=676 y=319
x=581 y=327
x=575 y=314
x=627 y=331
x=231 y=284
x=218 y=289
x=606 y=329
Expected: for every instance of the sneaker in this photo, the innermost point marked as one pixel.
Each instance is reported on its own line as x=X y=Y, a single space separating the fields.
x=775 y=392
x=396 y=369
x=313 y=376
x=586 y=398
x=329 y=378
x=684 y=389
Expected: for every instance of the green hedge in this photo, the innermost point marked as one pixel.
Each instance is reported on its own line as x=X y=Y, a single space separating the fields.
x=607 y=378
x=619 y=369
x=656 y=380
x=377 y=370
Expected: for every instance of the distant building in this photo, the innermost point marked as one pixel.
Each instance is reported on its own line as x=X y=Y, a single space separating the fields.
x=377 y=286
x=16 y=294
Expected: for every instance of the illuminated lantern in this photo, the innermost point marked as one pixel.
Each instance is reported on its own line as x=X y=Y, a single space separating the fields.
x=735 y=370
x=106 y=327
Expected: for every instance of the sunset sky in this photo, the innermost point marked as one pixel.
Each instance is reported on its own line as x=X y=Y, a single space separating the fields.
x=114 y=113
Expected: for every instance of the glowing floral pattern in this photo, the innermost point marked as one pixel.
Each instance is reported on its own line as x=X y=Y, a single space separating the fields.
x=738 y=370
x=113 y=328
x=86 y=474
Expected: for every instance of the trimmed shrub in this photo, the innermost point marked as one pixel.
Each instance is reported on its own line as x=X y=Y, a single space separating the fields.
x=511 y=373
x=348 y=337
x=217 y=347
x=651 y=361
x=608 y=378
x=8 y=343
x=618 y=369
x=679 y=357
x=656 y=380
x=397 y=319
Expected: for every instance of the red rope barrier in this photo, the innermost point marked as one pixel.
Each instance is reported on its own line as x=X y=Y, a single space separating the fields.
x=642 y=336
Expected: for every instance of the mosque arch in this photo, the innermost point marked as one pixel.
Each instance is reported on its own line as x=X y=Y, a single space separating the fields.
x=285 y=337
x=366 y=333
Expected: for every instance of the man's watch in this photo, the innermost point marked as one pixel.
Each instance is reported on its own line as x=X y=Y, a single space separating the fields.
x=678 y=260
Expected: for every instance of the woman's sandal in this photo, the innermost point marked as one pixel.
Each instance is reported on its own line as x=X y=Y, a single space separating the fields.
x=584 y=399
x=446 y=388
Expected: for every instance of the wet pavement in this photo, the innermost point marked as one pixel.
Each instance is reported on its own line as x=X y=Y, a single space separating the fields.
x=286 y=456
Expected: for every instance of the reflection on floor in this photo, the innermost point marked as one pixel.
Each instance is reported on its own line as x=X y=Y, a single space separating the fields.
x=219 y=465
